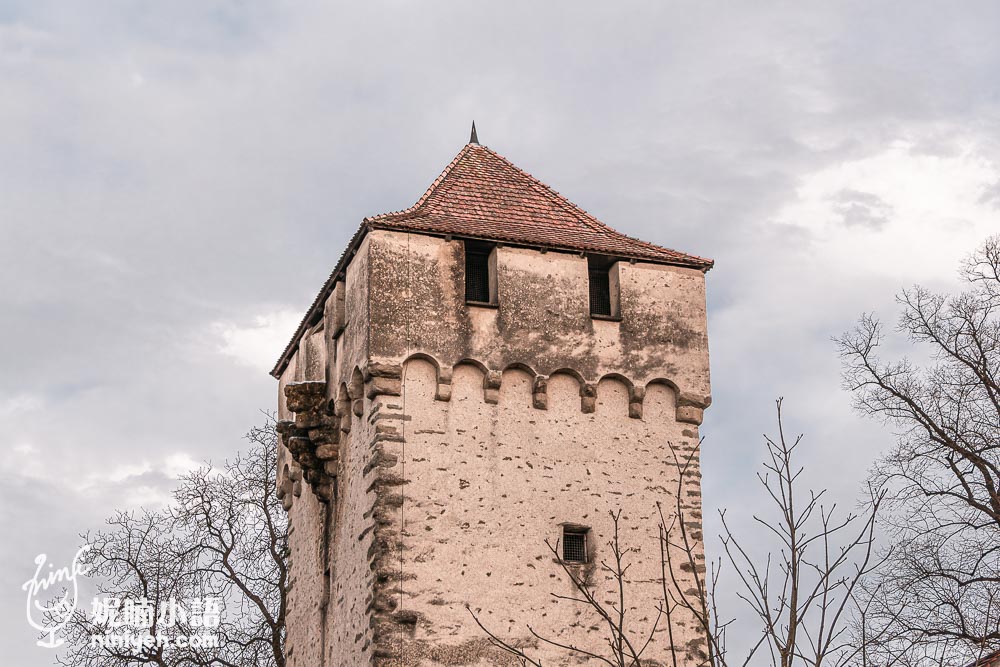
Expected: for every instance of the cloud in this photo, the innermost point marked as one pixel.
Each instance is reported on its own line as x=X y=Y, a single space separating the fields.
x=861 y=209
x=991 y=195
x=899 y=208
x=20 y=403
x=258 y=343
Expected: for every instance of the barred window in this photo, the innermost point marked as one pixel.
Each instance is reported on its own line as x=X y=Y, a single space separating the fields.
x=479 y=283
x=600 y=292
x=603 y=286
x=574 y=545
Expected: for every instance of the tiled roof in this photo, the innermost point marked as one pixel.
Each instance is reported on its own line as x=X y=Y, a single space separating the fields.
x=483 y=195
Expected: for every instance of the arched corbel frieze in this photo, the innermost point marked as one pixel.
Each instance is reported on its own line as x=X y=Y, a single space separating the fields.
x=689 y=408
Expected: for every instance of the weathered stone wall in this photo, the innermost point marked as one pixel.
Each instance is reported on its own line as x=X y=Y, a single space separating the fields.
x=331 y=582
x=407 y=505
x=488 y=484
x=348 y=631
x=543 y=319
x=306 y=597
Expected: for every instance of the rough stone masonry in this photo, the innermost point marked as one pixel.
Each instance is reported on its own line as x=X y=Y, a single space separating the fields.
x=432 y=442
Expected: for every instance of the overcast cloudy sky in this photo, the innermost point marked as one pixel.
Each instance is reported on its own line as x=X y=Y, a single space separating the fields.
x=177 y=178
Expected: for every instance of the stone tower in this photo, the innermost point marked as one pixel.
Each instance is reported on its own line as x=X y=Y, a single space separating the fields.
x=486 y=370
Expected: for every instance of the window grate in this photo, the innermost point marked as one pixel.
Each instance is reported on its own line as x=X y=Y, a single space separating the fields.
x=574 y=545
x=477 y=275
x=600 y=292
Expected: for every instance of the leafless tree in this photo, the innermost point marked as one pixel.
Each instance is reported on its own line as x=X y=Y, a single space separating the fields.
x=938 y=602
x=802 y=592
x=801 y=595
x=225 y=536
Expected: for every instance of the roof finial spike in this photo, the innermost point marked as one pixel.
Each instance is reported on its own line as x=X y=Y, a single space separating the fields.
x=474 y=139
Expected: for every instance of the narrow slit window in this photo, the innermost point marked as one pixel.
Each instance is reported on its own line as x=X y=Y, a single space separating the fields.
x=478 y=273
x=603 y=287
x=574 y=545
x=600 y=293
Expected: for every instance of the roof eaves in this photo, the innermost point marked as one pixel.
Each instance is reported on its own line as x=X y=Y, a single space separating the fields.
x=657 y=255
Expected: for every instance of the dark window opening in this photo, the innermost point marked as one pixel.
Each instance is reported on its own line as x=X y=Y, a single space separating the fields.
x=574 y=545
x=477 y=272
x=600 y=293
x=602 y=303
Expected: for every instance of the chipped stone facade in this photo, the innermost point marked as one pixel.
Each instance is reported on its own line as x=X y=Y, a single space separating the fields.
x=430 y=447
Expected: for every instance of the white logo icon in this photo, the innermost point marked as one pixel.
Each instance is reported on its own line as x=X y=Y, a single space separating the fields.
x=44 y=612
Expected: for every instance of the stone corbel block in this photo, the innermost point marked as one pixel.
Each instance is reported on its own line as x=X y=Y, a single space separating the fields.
x=381 y=386
x=309 y=464
x=285 y=428
x=636 y=396
x=690 y=414
x=297 y=446
x=330 y=431
x=383 y=379
x=382 y=369
x=324 y=434
x=691 y=408
x=540 y=392
x=305 y=396
x=491 y=387
x=324 y=492
x=307 y=420
x=342 y=413
x=443 y=392
x=328 y=452
x=588 y=397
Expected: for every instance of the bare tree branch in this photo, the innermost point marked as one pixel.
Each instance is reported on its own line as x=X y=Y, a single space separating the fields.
x=225 y=536
x=936 y=601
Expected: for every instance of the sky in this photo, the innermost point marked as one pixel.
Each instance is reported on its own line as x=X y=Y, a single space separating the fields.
x=177 y=179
